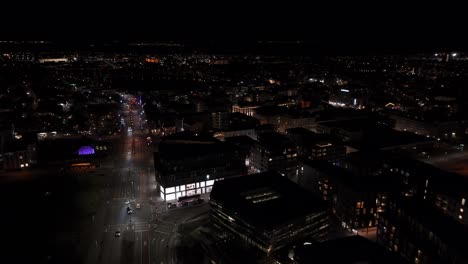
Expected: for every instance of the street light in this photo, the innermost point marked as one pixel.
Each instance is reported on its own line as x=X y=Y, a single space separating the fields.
x=207 y=176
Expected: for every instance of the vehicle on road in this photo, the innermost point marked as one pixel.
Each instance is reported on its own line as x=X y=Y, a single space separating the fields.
x=127 y=202
x=190 y=200
x=137 y=206
x=117 y=233
x=129 y=210
x=171 y=205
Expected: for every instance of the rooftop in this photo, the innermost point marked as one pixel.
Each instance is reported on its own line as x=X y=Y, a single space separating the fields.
x=309 y=138
x=346 y=250
x=266 y=200
x=381 y=138
x=356 y=181
x=189 y=144
x=274 y=141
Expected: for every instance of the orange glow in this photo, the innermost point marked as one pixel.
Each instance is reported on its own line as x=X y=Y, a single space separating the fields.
x=80 y=164
x=152 y=60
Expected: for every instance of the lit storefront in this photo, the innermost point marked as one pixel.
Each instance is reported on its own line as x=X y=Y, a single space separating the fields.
x=173 y=193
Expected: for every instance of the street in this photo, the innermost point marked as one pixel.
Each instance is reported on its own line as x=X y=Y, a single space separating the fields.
x=149 y=234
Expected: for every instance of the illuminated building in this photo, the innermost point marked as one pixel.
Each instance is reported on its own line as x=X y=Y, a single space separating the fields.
x=274 y=151
x=267 y=211
x=152 y=60
x=86 y=150
x=427 y=126
x=356 y=198
x=188 y=163
x=316 y=146
x=16 y=153
x=421 y=234
x=346 y=97
x=244 y=109
x=53 y=60
x=446 y=191
x=293 y=120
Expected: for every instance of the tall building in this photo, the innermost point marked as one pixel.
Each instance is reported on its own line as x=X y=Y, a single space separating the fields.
x=267 y=211
x=274 y=151
x=316 y=146
x=417 y=231
x=236 y=124
x=447 y=191
x=188 y=163
x=356 y=199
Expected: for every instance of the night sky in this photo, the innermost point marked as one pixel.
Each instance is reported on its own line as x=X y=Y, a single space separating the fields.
x=334 y=27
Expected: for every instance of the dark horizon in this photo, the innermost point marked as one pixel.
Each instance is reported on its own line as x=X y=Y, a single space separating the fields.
x=220 y=46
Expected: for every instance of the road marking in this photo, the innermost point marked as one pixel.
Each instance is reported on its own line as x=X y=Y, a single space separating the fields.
x=141 y=248
x=162 y=232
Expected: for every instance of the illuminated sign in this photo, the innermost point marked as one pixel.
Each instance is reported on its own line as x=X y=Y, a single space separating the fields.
x=86 y=150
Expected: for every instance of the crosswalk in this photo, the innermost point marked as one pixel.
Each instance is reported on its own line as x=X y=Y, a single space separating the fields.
x=137 y=227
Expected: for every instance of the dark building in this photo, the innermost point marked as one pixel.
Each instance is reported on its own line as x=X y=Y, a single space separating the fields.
x=188 y=163
x=445 y=190
x=316 y=146
x=417 y=231
x=219 y=120
x=267 y=211
x=346 y=250
x=245 y=145
x=274 y=151
x=371 y=134
x=236 y=124
x=445 y=127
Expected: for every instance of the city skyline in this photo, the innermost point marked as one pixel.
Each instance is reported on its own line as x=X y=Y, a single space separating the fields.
x=232 y=150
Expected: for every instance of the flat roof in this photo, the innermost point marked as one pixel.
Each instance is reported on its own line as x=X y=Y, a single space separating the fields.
x=188 y=144
x=274 y=141
x=356 y=181
x=346 y=250
x=266 y=200
x=311 y=138
x=240 y=140
x=381 y=138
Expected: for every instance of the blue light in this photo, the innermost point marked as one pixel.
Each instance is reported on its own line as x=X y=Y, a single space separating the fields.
x=86 y=150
